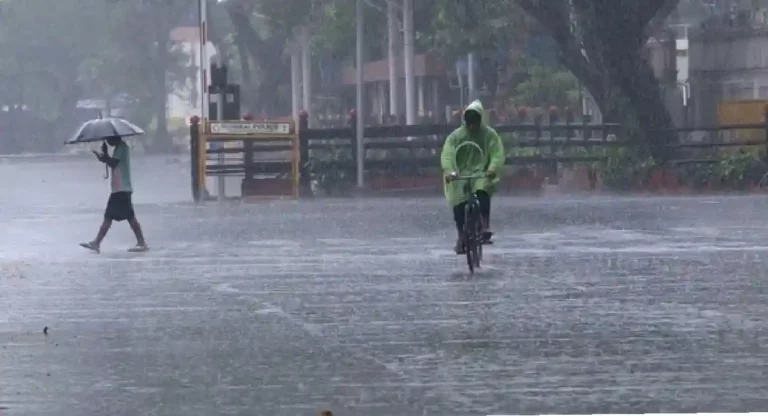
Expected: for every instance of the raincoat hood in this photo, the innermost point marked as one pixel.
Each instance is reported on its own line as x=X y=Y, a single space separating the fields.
x=477 y=107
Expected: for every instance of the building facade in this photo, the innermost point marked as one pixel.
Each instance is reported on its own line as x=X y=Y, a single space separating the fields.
x=728 y=61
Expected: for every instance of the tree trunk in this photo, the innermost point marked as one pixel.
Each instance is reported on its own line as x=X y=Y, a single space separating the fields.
x=247 y=88
x=269 y=56
x=245 y=60
x=614 y=71
x=641 y=88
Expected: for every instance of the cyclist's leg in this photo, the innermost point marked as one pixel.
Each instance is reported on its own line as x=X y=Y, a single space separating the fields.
x=485 y=211
x=458 y=218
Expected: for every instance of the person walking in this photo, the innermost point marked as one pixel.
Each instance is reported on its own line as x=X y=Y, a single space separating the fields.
x=119 y=205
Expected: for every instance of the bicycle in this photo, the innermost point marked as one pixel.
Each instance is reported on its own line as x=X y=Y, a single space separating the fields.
x=472 y=233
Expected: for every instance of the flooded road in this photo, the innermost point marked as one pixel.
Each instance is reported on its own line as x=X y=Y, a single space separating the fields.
x=594 y=305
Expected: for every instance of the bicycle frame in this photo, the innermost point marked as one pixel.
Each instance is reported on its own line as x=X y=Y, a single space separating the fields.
x=472 y=200
x=472 y=217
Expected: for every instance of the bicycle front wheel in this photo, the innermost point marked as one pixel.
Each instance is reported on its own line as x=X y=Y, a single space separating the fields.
x=478 y=240
x=477 y=235
x=471 y=238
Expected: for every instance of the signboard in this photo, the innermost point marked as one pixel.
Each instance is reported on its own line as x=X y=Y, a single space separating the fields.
x=246 y=127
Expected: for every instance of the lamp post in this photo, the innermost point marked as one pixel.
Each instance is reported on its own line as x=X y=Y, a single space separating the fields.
x=360 y=120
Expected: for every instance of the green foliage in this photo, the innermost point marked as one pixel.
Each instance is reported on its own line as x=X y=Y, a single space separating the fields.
x=732 y=170
x=625 y=169
x=43 y=43
x=331 y=22
x=139 y=59
x=329 y=172
x=285 y=16
x=740 y=169
x=458 y=28
x=546 y=86
x=58 y=52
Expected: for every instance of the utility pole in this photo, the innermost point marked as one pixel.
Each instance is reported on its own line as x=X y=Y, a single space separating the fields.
x=359 y=110
x=471 y=77
x=295 y=83
x=410 y=95
x=306 y=69
x=393 y=38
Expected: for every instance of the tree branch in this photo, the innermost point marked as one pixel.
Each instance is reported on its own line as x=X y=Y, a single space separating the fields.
x=554 y=16
x=657 y=22
x=657 y=10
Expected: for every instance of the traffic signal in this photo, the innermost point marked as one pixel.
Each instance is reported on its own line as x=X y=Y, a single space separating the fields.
x=218 y=75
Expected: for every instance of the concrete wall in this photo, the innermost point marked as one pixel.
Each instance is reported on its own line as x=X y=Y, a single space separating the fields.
x=730 y=53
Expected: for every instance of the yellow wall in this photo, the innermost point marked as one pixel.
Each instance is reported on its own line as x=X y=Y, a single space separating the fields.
x=742 y=112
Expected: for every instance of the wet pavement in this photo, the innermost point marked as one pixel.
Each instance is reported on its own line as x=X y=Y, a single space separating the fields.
x=591 y=305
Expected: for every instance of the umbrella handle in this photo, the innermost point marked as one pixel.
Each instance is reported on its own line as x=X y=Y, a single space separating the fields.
x=106 y=172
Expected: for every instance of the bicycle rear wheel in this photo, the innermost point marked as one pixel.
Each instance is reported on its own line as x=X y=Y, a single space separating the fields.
x=469 y=240
x=478 y=239
x=472 y=237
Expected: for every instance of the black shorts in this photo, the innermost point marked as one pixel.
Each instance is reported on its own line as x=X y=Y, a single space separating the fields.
x=119 y=207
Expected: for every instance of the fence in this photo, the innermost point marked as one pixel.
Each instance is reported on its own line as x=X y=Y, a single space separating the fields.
x=408 y=155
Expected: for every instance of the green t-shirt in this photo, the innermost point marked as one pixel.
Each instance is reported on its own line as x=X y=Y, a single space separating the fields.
x=121 y=174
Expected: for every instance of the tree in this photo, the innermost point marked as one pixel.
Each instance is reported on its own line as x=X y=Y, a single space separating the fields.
x=264 y=30
x=43 y=45
x=265 y=49
x=601 y=42
x=141 y=60
x=492 y=30
x=56 y=53
x=547 y=86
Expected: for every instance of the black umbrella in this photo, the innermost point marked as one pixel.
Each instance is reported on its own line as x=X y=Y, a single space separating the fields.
x=104 y=128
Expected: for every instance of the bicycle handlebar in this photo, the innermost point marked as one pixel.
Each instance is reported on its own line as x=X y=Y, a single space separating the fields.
x=470 y=177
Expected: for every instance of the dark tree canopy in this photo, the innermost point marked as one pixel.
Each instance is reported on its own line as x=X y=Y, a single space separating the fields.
x=601 y=42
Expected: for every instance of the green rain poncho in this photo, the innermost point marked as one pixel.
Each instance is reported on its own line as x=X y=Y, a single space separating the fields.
x=468 y=161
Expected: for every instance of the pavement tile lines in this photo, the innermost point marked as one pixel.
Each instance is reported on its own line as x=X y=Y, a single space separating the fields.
x=596 y=305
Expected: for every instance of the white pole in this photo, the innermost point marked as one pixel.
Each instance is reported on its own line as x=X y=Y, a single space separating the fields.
x=204 y=79
x=359 y=111
x=462 y=96
x=221 y=183
x=420 y=89
x=306 y=68
x=203 y=59
x=410 y=96
x=295 y=87
x=436 y=97
x=471 y=79
x=394 y=32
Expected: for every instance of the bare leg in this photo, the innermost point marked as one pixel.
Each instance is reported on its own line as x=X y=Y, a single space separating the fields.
x=136 y=227
x=102 y=232
x=95 y=245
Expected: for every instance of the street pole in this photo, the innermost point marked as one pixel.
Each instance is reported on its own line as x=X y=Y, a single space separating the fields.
x=471 y=78
x=295 y=83
x=203 y=9
x=359 y=111
x=204 y=62
x=393 y=37
x=205 y=96
x=410 y=95
x=306 y=70
x=222 y=185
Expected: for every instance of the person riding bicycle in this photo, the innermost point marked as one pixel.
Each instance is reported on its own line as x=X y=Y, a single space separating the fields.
x=468 y=161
